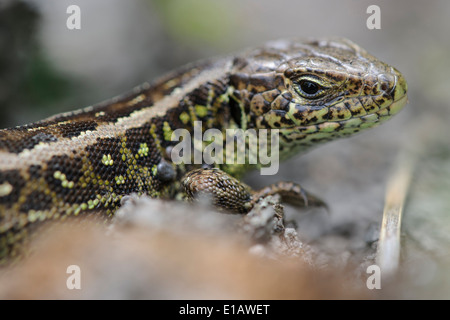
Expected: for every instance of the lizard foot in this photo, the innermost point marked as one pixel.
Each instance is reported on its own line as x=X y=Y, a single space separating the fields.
x=230 y=194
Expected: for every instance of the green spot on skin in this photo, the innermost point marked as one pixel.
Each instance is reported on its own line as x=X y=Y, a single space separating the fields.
x=143 y=150
x=201 y=111
x=106 y=160
x=184 y=117
x=32 y=216
x=64 y=182
x=124 y=158
x=57 y=175
x=5 y=189
x=83 y=206
x=167 y=131
x=91 y=204
x=154 y=170
x=224 y=98
x=119 y=180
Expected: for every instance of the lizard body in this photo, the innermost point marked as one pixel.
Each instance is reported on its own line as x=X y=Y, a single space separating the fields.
x=84 y=162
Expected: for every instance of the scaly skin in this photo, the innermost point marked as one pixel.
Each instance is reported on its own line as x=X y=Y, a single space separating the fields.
x=84 y=162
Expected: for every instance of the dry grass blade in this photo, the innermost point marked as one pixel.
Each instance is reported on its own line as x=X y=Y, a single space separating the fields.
x=388 y=252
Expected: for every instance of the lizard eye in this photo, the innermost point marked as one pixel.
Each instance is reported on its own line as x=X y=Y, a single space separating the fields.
x=309 y=89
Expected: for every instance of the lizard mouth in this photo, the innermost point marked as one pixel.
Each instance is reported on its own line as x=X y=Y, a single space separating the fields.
x=306 y=136
x=364 y=121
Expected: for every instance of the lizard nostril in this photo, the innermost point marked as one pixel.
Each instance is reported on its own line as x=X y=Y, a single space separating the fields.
x=386 y=82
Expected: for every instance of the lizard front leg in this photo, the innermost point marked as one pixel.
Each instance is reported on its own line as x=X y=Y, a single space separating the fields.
x=230 y=194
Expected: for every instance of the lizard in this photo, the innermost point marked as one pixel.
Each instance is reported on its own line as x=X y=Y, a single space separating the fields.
x=84 y=163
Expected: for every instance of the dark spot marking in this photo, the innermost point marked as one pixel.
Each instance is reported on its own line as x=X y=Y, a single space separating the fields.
x=237 y=94
x=287 y=95
x=236 y=112
x=74 y=129
x=200 y=95
x=264 y=123
x=289 y=73
x=37 y=200
x=18 y=139
x=219 y=87
x=354 y=112
x=43 y=137
x=262 y=80
x=328 y=115
x=340 y=127
x=240 y=62
x=334 y=76
x=239 y=80
x=287 y=121
x=35 y=171
x=299 y=116
x=280 y=103
x=300 y=138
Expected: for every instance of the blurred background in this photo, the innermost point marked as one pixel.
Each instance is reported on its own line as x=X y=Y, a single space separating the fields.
x=45 y=68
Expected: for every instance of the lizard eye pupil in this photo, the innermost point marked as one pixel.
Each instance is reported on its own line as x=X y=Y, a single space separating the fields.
x=309 y=87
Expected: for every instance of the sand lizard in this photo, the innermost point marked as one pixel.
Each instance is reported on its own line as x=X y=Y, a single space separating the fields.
x=84 y=162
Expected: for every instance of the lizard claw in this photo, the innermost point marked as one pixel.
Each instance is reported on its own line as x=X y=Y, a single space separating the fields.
x=293 y=194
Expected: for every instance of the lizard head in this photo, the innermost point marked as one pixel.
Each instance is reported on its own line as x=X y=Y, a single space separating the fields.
x=315 y=91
